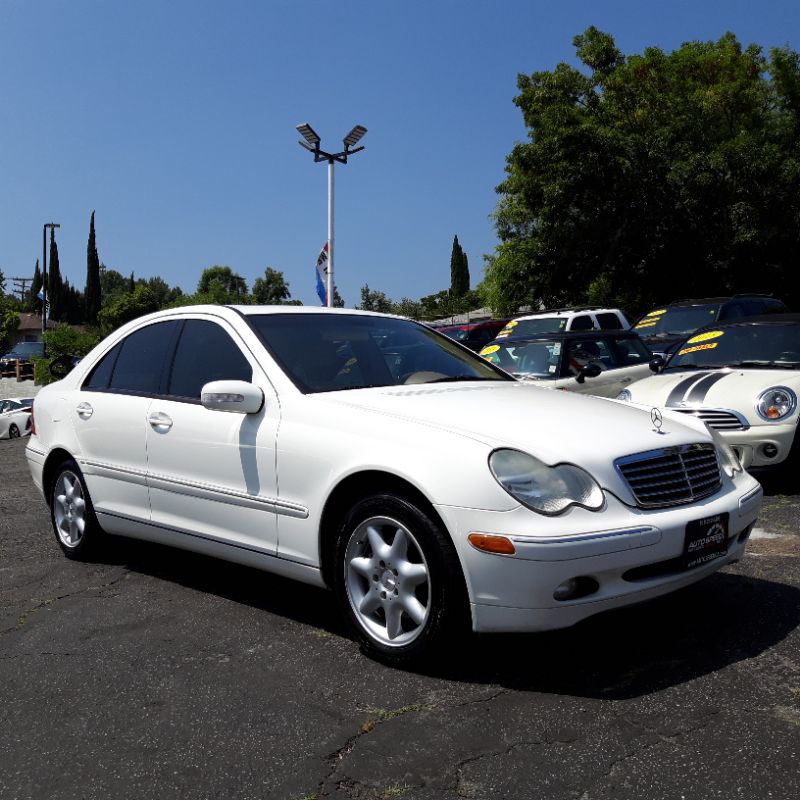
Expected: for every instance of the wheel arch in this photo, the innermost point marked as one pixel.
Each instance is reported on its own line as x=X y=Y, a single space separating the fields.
x=351 y=489
x=55 y=457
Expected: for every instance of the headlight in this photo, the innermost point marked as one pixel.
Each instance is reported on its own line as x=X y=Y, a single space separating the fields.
x=776 y=403
x=728 y=459
x=547 y=490
x=624 y=395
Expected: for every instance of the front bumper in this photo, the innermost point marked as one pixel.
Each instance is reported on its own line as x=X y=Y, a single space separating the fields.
x=628 y=552
x=751 y=445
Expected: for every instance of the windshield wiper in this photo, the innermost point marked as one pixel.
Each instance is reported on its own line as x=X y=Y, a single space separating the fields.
x=455 y=378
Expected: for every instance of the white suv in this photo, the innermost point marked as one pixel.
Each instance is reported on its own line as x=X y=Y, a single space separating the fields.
x=567 y=319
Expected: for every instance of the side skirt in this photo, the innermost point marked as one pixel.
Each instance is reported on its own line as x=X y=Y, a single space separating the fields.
x=124 y=526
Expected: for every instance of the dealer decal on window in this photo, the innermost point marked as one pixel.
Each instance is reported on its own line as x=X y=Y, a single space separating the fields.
x=704 y=337
x=709 y=346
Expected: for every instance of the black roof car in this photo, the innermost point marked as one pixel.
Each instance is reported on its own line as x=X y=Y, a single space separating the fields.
x=665 y=327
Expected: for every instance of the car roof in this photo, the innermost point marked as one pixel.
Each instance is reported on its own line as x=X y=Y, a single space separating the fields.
x=697 y=301
x=592 y=334
x=761 y=319
x=557 y=312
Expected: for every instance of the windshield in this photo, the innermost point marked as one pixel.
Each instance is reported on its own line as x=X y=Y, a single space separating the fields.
x=531 y=327
x=677 y=320
x=327 y=352
x=539 y=359
x=767 y=346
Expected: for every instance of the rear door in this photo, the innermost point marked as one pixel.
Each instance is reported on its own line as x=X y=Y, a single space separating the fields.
x=109 y=416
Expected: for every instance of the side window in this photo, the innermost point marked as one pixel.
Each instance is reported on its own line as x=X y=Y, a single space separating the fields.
x=100 y=376
x=732 y=311
x=754 y=307
x=139 y=366
x=631 y=352
x=582 y=323
x=581 y=352
x=205 y=353
x=609 y=321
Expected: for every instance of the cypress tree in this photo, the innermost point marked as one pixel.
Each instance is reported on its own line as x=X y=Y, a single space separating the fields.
x=54 y=282
x=459 y=270
x=33 y=301
x=92 y=277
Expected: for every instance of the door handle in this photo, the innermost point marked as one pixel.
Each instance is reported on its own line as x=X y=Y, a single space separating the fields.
x=84 y=410
x=159 y=421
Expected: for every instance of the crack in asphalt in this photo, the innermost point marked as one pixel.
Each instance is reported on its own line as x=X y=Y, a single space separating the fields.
x=28 y=613
x=326 y=786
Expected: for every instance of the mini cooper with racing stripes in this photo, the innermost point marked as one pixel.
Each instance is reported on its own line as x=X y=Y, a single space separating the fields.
x=742 y=379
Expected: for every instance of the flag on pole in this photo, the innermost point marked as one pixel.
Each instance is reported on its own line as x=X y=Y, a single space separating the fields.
x=322 y=275
x=41 y=294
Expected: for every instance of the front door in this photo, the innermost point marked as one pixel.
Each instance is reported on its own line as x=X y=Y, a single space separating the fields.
x=212 y=473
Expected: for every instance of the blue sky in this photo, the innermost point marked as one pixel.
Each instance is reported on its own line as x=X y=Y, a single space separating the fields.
x=176 y=122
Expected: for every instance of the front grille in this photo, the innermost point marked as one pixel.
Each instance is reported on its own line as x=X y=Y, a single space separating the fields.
x=672 y=475
x=717 y=418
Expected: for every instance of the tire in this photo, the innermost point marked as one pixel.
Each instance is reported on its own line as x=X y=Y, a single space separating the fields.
x=13 y=431
x=71 y=511
x=398 y=580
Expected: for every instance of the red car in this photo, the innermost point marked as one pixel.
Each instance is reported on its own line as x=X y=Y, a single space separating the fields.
x=474 y=334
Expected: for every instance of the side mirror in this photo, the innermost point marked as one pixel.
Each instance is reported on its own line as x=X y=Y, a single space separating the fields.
x=591 y=370
x=657 y=364
x=237 y=396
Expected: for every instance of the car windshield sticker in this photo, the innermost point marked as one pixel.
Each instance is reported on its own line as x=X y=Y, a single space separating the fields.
x=557 y=349
x=551 y=368
x=704 y=337
x=657 y=313
x=709 y=346
x=492 y=348
x=508 y=330
x=648 y=323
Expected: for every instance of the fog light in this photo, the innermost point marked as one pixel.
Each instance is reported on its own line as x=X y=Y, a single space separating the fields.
x=769 y=450
x=566 y=590
x=573 y=588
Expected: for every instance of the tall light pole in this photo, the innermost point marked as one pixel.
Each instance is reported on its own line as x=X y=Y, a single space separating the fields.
x=44 y=272
x=312 y=143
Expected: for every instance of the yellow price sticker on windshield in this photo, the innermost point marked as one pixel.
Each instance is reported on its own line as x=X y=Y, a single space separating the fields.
x=646 y=323
x=709 y=346
x=704 y=337
x=492 y=348
x=656 y=313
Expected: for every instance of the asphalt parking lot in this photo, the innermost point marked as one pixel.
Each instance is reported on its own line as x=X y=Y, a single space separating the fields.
x=160 y=674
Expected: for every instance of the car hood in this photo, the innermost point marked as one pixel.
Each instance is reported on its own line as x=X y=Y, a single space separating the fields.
x=553 y=426
x=735 y=389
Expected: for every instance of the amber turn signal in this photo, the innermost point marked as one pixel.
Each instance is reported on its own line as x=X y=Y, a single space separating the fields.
x=490 y=543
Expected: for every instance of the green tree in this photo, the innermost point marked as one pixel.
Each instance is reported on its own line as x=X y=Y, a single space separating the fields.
x=55 y=284
x=272 y=289
x=113 y=285
x=230 y=283
x=93 y=286
x=652 y=176
x=32 y=302
x=165 y=294
x=374 y=301
x=459 y=270
x=126 y=308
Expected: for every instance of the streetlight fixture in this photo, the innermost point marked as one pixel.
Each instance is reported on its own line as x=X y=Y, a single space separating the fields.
x=47 y=225
x=312 y=142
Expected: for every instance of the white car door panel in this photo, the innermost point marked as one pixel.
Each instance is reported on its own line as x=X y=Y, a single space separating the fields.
x=212 y=473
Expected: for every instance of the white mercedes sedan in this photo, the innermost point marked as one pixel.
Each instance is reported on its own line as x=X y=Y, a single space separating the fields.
x=369 y=454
